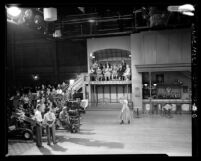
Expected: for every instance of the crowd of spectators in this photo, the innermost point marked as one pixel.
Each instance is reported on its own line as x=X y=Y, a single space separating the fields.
x=27 y=99
x=106 y=72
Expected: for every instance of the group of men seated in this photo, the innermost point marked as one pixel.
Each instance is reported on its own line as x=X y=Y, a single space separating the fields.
x=99 y=72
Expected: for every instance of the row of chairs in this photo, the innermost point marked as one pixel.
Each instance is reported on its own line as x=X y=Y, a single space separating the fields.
x=165 y=108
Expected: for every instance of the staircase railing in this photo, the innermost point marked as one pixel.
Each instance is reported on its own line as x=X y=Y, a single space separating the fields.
x=78 y=82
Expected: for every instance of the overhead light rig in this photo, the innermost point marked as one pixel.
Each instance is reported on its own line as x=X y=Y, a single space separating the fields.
x=51 y=25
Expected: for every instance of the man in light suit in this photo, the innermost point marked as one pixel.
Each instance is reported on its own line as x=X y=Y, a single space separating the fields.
x=39 y=120
x=49 y=121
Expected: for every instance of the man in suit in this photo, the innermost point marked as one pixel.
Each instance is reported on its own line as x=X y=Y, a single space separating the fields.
x=38 y=118
x=49 y=121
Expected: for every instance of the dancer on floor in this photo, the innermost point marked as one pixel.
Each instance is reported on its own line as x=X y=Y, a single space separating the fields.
x=125 y=115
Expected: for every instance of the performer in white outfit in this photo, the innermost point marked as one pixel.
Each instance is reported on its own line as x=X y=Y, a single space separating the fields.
x=125 y=114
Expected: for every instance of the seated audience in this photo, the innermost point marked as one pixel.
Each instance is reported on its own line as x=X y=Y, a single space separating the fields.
x=107 y=73
x=127 y=73
x=92 y=74
x=99 y=74
x=114 y=72
x=120 y=72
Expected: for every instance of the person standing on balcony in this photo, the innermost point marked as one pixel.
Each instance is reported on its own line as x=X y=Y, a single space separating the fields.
x=123 y=66
x=107 y=73
x=120 y=72
x=103 y=71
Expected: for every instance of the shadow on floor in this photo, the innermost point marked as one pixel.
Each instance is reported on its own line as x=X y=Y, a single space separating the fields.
x=57 y=147
x=45 y=151
x=13 y=141
x=89 y=142
x=86 y=129
x=86 y=133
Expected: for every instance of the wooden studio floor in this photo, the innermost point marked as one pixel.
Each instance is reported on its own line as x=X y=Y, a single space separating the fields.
x=101 y=133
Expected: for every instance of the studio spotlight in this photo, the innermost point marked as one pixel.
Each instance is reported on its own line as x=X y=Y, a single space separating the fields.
x=186 y=9
x=50 y=14
x=188 y=13
x=91 y=20
x=154 y=84
x=13 y=11
x=35 y=77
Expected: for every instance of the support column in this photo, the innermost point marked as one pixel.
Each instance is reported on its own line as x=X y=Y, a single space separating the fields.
x=137 y=90
x=94 y=93
x=110 y=93
x=84 y=87
x=103 y=93
x=117 y=100
x=150 y=99
x=96 y=88
x=84 y=91
x=136 y=46
x=90 y=91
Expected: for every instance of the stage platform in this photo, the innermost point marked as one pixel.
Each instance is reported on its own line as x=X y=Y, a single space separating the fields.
x=101 y=133
x=104 y=106
x=107 y=82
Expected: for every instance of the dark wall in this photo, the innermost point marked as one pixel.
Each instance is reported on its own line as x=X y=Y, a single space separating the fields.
x=29 y=52
x=72 y=58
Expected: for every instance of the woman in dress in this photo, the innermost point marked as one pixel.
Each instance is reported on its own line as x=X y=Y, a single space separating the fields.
x=114 y=72
x=107 y=73
x=125 y=115
x=99 y=74
x=127 y=73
